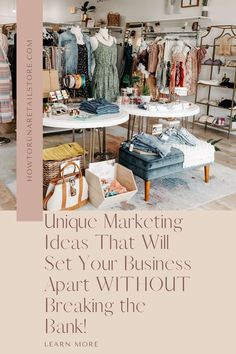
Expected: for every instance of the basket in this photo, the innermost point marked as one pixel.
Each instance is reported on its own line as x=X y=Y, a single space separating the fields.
x=113 y=19
x=54 y=157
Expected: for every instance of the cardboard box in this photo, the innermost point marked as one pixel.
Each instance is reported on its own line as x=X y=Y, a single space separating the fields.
x=96 y=193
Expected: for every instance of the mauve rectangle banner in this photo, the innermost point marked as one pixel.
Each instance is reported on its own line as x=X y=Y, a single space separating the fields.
x=29 y=110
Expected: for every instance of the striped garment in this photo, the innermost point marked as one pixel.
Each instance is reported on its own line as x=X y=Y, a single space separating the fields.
x=6 y=101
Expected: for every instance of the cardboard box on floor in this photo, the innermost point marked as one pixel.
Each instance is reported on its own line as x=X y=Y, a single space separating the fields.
x=96 y=193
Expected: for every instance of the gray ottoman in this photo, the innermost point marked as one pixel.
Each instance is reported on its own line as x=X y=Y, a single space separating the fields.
x=149 y=167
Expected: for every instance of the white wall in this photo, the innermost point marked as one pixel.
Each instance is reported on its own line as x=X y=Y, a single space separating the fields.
x=222 y=12
x=6 y=13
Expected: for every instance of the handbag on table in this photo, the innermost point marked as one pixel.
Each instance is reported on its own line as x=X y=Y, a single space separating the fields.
x=67 y=192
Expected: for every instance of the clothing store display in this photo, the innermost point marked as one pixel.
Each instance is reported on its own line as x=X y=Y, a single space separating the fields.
x=6 y=100
x=70 y=56
x=100 y=106
x=105 y=78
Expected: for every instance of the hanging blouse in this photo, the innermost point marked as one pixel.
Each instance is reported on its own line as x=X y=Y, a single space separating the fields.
x=6 y=101
x=153 y=57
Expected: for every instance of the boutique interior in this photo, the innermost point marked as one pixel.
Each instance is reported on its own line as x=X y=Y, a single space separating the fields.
x=138 y=109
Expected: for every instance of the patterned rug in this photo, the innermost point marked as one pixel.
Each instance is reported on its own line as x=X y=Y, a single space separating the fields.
x=183 y=191
x=7 y=199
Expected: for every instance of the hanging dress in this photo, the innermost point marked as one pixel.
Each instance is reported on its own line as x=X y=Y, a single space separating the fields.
x=6 y=101
x=82 y=68
x=105 y=78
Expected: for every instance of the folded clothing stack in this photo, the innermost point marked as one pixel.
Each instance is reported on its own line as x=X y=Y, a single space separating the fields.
x=100 y=106
x=148 y=143
x=181 y=136
x=162 y=144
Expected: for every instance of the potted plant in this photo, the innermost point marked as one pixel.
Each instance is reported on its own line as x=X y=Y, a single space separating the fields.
x=205 y=8
x=85 y=8
x=145 y=94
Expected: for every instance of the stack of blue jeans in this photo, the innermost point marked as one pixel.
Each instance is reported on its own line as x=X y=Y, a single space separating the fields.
x=178 y=136
x=100 y=106
x=148 y=143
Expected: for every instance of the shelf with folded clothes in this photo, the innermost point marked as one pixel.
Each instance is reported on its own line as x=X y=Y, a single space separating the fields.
x=218 y=126
x=215 y=41
x=219 y=86
x=215 y=106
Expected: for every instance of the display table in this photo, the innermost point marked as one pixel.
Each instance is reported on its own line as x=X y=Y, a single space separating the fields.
x=182 y=110
x=87 y=121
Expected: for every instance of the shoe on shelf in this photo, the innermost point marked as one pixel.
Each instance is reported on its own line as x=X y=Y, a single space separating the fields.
x=214 y=103
x=204 y=118
x=209 y=82
x=204 y=101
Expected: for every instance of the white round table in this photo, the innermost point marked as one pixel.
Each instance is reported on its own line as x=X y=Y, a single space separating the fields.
x=87 y=121
x=182 y=109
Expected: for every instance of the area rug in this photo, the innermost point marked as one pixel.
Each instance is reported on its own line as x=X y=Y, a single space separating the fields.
x=7 y=199
x=182 y=191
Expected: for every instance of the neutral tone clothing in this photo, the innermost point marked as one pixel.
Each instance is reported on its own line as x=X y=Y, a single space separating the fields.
x=6 y=101
x=191 y=72
x=153 y=57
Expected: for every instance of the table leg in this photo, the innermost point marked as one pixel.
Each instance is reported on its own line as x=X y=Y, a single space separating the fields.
x=193 y=123
x=93 y=144
x=99 y=141
x=142 y=124
x=147 y=125
x=132 y=132
x=84 y=148
x=129 y=124
x=186 y=122
x=90 y=145
x=104 y=141
x=147 y=190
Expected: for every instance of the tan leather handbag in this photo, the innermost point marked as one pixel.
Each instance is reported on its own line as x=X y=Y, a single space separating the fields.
x=50 y=79
x=67 y=192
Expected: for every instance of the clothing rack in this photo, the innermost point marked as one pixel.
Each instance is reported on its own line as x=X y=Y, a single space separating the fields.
x=182 y=34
